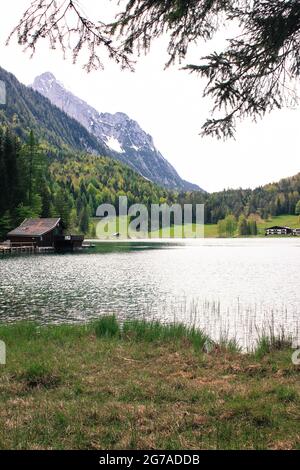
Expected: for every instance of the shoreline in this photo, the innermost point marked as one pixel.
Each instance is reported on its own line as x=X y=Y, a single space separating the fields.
x=186 y=241
x=91 y=387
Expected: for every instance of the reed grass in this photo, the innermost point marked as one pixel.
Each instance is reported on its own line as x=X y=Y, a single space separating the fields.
x=268 y=339
x=154 y=331
x=107 y=326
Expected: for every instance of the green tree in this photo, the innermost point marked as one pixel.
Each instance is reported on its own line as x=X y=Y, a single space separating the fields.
x=230 y=225
x=5 y=224
x=34 y=166
x=84 y=220
x=252 y=226
x=46 y=199
x=12 y=174
x=297 y=209
x=242 y=225
x=221 y=228
x=23 y=212
x=3 y=179
x=63 y=207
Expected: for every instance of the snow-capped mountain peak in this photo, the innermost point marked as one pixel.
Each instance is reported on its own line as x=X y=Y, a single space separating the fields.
x=123 y=136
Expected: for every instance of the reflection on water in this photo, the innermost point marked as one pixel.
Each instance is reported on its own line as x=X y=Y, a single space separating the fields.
x=218 y=284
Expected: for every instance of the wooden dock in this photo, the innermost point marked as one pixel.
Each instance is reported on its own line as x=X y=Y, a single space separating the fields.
x=24 y=249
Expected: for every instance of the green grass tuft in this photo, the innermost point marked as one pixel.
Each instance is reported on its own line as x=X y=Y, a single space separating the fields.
x=230 y=345
x=272 y=342
x=137 y=330
x=39 y=375
x=107 y=326
x=286 y=394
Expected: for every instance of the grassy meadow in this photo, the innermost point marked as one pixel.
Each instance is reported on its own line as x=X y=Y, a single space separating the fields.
x=145 y=386
x=292 y=221
x=210 y=230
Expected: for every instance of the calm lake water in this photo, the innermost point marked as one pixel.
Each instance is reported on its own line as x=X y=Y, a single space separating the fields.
x=231 y=286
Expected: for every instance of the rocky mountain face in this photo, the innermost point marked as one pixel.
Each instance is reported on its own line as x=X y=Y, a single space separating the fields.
x=26 y=110
x=124 y=137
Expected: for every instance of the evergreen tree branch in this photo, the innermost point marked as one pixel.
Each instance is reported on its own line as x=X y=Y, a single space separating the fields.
x=257 y=71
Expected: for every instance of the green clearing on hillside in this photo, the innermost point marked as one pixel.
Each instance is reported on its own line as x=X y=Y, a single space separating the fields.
x=211 y=230
x=283 y=220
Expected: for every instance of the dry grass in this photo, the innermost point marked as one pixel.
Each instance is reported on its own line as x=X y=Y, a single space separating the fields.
x=66 y=388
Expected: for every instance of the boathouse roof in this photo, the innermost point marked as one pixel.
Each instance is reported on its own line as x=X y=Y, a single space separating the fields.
x=35 y=227
x=277 y=227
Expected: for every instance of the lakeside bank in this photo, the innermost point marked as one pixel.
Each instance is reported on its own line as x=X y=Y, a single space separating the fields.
x=146 y=386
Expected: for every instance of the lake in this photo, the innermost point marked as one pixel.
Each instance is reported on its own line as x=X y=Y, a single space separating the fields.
x=225 y=286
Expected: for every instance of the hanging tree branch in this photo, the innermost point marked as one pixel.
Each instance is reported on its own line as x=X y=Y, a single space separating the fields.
x=259 y=69
x=254 y=74
x=185 y=21
x=63 y=24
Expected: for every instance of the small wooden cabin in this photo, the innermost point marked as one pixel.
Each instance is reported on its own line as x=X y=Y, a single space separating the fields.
x=277 y=230
x=44 y=233
x=37 y=232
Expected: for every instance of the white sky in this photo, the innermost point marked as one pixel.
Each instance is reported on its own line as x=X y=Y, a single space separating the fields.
x=169 y=106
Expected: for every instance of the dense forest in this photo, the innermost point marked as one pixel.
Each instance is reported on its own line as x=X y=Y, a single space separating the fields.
x=23 y=180
x=72 y=186
x=269 y=200
x=88 y=181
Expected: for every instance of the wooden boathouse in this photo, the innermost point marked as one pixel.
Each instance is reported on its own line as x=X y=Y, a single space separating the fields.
x=41 y=235
x=37 y=232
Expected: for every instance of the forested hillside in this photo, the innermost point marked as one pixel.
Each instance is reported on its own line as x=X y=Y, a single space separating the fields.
x=71 y=187
x=26 y=110
x=89 y=181
x=269 y=200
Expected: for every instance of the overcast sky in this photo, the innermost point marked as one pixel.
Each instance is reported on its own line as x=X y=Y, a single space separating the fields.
x=169 y=106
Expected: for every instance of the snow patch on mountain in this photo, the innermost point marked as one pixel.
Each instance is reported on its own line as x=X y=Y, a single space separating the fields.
x=114 y=144
x=134 y=147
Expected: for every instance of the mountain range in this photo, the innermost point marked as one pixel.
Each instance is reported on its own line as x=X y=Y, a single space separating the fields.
x=124 y=137
x=66 y=124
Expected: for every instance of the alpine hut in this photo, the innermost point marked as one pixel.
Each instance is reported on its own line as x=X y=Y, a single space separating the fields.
x=48 y=233
x=36 y=232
